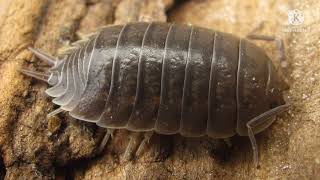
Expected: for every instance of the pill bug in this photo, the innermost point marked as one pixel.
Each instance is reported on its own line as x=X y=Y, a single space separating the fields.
x=167 y=78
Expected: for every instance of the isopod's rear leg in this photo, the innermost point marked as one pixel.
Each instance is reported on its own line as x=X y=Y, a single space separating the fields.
x=227 y=141
x=144 y=142
x=43 y=56
x=137 y=144
x=39 y=75
x=261 y=119
x=55 y=112
x=135 y=138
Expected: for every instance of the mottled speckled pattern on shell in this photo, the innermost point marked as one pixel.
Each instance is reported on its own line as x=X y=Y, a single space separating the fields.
x=169 y=78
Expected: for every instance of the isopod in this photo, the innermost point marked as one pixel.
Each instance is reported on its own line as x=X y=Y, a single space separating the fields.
x=167 y=78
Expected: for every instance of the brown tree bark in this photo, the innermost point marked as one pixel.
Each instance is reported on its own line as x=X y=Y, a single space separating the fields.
x=33 y=146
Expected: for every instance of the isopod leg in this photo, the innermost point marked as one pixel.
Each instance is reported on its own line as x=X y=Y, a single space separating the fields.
x=136 y=145
x=105 y=140
x=261 y=119
x=228 y=142
x=55 y=112
x=135 y=138
x=146 y=139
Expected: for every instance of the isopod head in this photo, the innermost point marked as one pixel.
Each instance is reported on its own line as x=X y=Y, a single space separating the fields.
x=259 y=89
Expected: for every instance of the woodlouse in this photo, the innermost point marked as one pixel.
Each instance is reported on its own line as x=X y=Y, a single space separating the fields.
x=167 y=78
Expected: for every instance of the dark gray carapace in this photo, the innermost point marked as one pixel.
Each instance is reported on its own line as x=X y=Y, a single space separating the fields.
x=168 y=78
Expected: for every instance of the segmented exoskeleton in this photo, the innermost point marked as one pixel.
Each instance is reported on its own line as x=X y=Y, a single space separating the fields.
x=167 y=78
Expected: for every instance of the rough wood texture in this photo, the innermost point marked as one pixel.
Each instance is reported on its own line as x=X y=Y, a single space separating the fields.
x=33 y=146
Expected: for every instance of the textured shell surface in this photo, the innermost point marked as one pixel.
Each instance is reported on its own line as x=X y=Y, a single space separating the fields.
x=168 y=78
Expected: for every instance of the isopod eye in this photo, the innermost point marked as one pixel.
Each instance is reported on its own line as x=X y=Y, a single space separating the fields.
x=273 y=105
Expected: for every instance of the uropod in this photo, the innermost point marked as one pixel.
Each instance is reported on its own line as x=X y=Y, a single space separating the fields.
x=166 y=78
